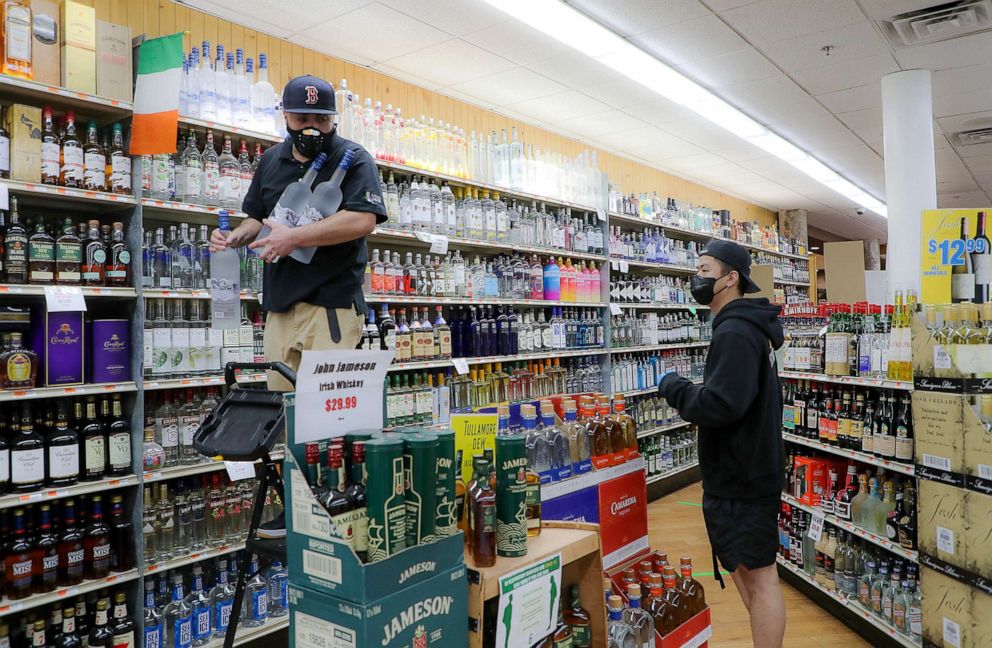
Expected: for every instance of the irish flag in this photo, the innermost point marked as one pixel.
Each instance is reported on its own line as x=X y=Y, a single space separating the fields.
x=156 y=95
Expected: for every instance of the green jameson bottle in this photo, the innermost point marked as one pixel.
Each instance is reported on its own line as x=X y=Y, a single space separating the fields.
x=419 y=468
x=385 y=496
x=511 y=495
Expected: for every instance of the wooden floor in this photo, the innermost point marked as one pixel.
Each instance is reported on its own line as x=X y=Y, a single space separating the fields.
x=675 y=525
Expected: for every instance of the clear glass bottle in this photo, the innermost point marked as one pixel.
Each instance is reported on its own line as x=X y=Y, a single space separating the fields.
x=221 y=600
x=153 y=631
x=639 y=620
x=278 y=580
x=619 y=632
x=199 y=602
x=255 y=611
x=178 y=616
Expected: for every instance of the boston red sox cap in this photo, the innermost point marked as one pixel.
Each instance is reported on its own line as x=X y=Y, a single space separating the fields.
x=308 y=94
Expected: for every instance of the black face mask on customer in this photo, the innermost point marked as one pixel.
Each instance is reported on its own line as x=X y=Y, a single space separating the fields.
x=309 y=141
x=702 y=288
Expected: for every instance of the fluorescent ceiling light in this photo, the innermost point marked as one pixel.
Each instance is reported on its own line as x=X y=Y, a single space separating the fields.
x=575 y=29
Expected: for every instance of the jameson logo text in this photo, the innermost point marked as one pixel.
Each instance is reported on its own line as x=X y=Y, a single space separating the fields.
x=445 y=462
x=330 y=367
x=424 y=567
x=626 y=502
x=515 y=463
x=417 y=612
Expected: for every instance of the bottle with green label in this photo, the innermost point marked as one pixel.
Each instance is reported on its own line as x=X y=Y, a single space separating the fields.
x=578 y=618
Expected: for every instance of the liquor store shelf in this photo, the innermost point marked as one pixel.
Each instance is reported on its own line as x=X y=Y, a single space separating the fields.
x=59 y=492
x=165 y=293
x=671 y=473
x=38 y=600
x=700 y=236
x=203 y=381
x=895 y=466
x=14 y=88
x=76 y=390
x=856 y=607
x=661 y=429
x=790 y=282
x=857 y=381
x=245 y=635
x=66 y=194
x=618 y=264
x=650 y=390
x=434 y=364
x=593 y=478
x=660 y=347
x=174 y=472
x=160 y=209
x=884 y=543
x=233 y=130
x=194 y=557
x=18 y=290
x=386 y=235
x=660 y=306
x=417 y=299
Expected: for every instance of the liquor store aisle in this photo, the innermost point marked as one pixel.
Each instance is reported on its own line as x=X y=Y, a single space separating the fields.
x=676 y=523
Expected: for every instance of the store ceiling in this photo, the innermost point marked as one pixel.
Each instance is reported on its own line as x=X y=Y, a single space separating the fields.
x=763 y=56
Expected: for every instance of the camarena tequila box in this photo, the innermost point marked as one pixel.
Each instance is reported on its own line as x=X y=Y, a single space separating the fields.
x=433 y=613
x=59 y=340
x=108 y=357
x=320 y=560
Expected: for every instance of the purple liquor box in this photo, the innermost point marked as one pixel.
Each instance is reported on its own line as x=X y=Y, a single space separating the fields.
x=59 y=340
x=109 y=351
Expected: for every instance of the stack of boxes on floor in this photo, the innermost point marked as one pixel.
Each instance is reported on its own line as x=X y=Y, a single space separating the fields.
x=952 y=412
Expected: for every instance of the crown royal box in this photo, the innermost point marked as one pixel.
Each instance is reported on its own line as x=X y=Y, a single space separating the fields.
x=108 y=357
x=59 y=339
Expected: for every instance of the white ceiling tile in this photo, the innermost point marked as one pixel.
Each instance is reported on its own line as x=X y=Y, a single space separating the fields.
x=256 y=17
x=510 y=87
x=703 y=133
x=981 y=165
x=620 y=92
x=409 y=77
x=637 y=16
x=695 y=161
x=457 y=17
x=395 y=34
x=286 y=18
x=961 y=79
x=724 y=5
x=319 y=44
x=857 y=162
x=659 y=145
x=691 y=40
x=518 y=42
x=776 y=20
x=730 y=69
x=611 y=121
x=742 y=152
x=957 y=185
x=846 y=74
x=768 y=98
x=863 y=122
x=450 y=63
x=561 y=106
x=659 y=111
x=859 y=98
x=956 y=52
x=978 y=150
x=962 y=200
x=575 y=70
x=851 y=42
x=814 y=129
x=965 y=103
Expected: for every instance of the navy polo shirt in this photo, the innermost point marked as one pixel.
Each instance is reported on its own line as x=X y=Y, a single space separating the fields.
x=333 y=278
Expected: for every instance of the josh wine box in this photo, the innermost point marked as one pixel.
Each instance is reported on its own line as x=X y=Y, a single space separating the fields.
x=109 y=351
x=59 y=341
x=431 y=613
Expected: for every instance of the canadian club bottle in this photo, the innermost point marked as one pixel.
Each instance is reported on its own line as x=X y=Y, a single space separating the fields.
x=63 y=450
x=27 y=456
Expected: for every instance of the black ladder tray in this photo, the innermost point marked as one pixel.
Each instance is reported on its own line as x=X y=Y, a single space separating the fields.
x=248 y=422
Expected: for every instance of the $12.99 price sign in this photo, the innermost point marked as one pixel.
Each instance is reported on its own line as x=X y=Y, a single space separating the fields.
x=953 y=251
x=954 y=255
x=338 y=392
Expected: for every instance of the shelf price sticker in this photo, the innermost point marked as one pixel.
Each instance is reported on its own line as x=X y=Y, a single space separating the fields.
x=339 y=391
x=60 y=299
x=238 y=470
x=816 y=526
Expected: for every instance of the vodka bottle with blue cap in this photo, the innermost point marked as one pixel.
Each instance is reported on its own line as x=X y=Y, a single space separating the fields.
x=325 y=201
x=293 y=202
x=225 y=283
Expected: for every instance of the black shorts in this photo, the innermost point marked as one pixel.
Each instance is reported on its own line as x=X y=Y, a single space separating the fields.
x=743 y=532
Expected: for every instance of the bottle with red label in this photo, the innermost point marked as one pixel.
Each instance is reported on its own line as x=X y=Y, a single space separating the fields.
x=96 y=542
x=18 y=560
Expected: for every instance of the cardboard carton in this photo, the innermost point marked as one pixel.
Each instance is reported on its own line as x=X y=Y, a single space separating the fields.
x=977 y=447
x=113 y=61
x=46 y=30
x=78 y=47
x=941 y=521
x=978 y=533
x=947 y=610
x=981 y=618
x=937 y=423
x=24 y=125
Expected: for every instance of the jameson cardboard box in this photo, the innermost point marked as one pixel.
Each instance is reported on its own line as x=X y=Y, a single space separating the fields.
x=947 y=611
x=978 y=534
x=320 y=560
x=433 y=613
x=941 y=519
x=937 y=423
x=78 y=47
x=59 y=340
x=24 y=125
x=46 y=58
x=113 y=61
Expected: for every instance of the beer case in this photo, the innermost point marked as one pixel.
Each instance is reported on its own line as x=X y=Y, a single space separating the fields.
x=24 y=126
x=430 y=613
x=322 y=561
x=78 y=47
x=113 y=61
x=46 y=28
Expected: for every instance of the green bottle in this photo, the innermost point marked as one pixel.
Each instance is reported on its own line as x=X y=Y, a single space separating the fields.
x=511 y=495
x=385 y=497
x=419 y=468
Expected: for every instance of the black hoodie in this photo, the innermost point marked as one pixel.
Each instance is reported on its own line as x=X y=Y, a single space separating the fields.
x=738 y=408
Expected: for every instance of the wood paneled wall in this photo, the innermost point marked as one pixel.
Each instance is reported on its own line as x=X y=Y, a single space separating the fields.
x=159 y=17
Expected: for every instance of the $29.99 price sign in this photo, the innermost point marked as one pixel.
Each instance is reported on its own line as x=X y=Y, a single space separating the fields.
x=338 y=404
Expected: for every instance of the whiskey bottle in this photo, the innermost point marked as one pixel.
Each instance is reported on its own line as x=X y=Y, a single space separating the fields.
x=101 y=636
x=41 y=256
x=96 y=542
x=118 y=269
x=120 y=163
x=18 y=560
x=68 y=256
x=15 y=253
x=62 y=444
x=578 y=618
x=94 y=443
x=17 y=40
x=94 y=256
x=694 y=594
x=71 y=553
x=27 y=456
x=119 y=441
x=122 y=626
x=68 y=638
x=94 y=161
x=46 y=552
x=482 y=516
x=72 y=155
x=122 y=556
x=356 y=494
x=51 y=149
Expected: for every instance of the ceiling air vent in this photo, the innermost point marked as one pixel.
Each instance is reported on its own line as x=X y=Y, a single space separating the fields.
x=937 y=23
x=976 y=136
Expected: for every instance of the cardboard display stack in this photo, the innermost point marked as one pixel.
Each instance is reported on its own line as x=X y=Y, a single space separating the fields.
x=954 y=467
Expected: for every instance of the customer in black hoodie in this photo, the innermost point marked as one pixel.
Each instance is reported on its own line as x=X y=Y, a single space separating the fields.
x=738 y=409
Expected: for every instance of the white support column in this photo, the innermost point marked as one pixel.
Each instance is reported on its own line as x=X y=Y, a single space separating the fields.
x=910 y=175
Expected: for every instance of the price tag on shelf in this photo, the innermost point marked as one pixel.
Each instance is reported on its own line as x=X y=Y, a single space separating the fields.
x=59 y=299
x=600 y=214
x=440 y=244
x=461 y=365
x=338 y=392
x=615 y=309
x=624 y=266
x=816 y=526
x=615 y=265
x=426 y=237
x=238 y=470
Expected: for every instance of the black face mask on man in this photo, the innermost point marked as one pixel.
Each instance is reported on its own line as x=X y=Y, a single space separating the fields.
x=702 y=288
x=309 y=141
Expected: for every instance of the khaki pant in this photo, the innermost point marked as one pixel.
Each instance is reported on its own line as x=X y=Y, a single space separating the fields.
x=307 y=327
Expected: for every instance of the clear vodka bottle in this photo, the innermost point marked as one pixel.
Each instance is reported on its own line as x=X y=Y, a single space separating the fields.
x=278 y=590
x=208 y=91
x=561 y=458
x=538 y=450
x=221 y=599
x=193 y=83
x=241 y=96
x=191 y=169
x=198 y=515
x=165 y=523
x=198 y=600
x=181 y=253
x=222 y=86
x=211 y=172
x=230 y=177
x=619 y=632
x=178 y=617
x=182 y=536
x=256 y=609
x=225 y=283
x=153 y=630
x=263 y=100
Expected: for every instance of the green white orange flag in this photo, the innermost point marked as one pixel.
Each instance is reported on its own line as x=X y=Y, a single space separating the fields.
x=156 y=95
